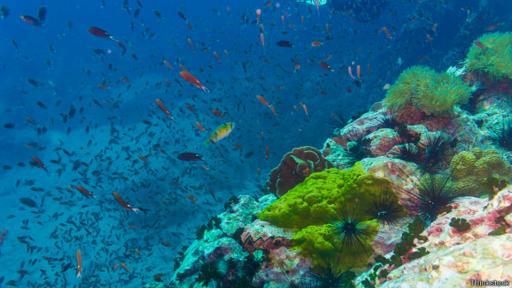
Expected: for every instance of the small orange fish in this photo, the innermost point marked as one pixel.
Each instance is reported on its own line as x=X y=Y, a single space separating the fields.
x=316 y=43
x=143 y=158
x=200 y=126
x=123 y=265
x=480 y=45
x=258 y=15
x=386 y=32
x=78 y=263
x=126 y=205
x=326 y=66
x=162 y=107
x=264 y=102
x=84 y=191
x=296 y=66
x=217 y=113
x=193 y=80
x=167 y=64
x=38 y=163
x=192 y=198
x=305 y=108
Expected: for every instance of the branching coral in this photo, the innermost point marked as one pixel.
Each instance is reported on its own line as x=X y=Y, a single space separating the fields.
x=479 y=172
x=492 y=55
x=425 y=89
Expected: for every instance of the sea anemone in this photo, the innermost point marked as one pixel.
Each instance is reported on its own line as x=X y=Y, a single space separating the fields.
x=431 y=92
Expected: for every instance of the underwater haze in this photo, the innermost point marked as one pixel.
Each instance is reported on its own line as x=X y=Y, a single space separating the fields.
x=125 y=125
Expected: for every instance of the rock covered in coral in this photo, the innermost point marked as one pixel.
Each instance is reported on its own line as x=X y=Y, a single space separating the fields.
x=295 y=167
x=488 y=258
x=479 y=172
x=459 y=246
x=218 y=257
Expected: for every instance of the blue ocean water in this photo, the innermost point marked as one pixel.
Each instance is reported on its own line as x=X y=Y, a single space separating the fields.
x=84 y=103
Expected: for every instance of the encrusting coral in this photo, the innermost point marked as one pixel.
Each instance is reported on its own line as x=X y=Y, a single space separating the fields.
x=479 y=172
x=324 y=195
x=338 y=247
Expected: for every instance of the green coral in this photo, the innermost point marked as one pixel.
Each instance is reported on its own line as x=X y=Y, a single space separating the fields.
x=323 y=196
x=318 y=207
x=478 y=172
x=429 y=91
x=327 y=249
x=492 y=54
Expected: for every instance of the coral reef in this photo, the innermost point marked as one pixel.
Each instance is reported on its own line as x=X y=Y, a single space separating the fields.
x=418 y=195
x=294 y=168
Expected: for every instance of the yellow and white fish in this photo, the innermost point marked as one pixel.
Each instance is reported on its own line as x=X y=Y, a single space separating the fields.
x=221 y=132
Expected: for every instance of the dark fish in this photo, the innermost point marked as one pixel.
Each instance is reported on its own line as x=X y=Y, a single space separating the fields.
x=4 y=12
x=98 y=32
x=189 y=156
x=33 y=82
x=8 y=125
x=182 y=16
x=28 y=202
x=99 y=51
x=41 y=104
x=284 y=43
x=42 y=14
x=30 y=20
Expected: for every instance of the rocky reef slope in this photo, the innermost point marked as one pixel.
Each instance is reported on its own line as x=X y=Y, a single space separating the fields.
x=413 y=193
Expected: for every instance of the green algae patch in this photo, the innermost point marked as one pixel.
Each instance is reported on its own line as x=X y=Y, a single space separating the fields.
x=324 y=196
x=492 y=54
x=425 y=89
x=331 y=250
x=479 y=172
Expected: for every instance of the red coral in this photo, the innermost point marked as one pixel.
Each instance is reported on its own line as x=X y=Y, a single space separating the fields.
x=295 y=167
